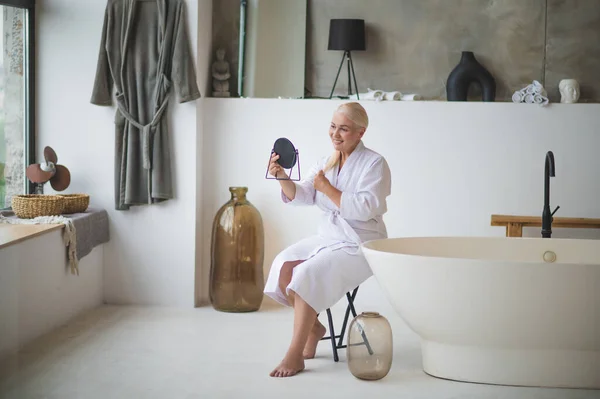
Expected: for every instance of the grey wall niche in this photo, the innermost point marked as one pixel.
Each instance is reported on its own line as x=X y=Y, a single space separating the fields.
x=412 y=45
x=226 y=34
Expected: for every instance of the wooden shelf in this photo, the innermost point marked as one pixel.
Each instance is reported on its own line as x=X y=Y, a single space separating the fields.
x=514 y=224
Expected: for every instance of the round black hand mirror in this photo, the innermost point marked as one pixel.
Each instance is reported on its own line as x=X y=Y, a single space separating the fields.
x=286 y=151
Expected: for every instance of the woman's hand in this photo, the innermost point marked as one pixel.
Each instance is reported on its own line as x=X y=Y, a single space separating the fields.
x=275 y=169
x=321 y=183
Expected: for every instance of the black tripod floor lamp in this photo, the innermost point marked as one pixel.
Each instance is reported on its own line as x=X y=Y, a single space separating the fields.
x=347 y=35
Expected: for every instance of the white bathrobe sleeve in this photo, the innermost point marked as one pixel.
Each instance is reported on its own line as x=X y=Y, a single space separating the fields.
x=369 y=198
x=305 y=191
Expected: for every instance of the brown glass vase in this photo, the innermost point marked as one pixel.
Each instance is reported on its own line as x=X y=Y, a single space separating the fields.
x=370 y=349
x=237 y=254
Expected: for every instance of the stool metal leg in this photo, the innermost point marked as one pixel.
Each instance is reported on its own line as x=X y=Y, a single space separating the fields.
x=332 y=334
x=351 y=301
x=348 y=309
x=351 y=306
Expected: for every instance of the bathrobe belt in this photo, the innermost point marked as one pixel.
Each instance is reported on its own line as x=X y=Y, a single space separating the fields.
x=146 y=130
x=334 y=216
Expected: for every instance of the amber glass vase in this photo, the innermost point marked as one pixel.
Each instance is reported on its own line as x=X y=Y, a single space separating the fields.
x=237 y=254
x=370 y=348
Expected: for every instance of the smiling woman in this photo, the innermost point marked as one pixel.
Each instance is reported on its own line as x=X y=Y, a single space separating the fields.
x=17 y=147
x=351 y=188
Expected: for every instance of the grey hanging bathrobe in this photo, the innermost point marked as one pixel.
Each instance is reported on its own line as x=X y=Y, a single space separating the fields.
x=144 y=52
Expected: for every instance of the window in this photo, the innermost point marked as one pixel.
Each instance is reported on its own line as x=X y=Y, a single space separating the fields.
x=17 y=117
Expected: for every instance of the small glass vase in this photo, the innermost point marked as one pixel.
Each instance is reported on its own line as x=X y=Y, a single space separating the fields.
x=237 y=254
x=370 y=346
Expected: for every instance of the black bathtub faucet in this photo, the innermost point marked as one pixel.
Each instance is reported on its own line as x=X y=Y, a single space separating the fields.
x=549 y=171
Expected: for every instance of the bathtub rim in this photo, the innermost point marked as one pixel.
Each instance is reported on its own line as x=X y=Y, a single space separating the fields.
x=367 y=246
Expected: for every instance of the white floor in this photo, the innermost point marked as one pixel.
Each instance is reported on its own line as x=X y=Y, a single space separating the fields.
x=136 y=352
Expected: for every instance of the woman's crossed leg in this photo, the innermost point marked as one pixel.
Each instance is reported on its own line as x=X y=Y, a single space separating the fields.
x=308 y=331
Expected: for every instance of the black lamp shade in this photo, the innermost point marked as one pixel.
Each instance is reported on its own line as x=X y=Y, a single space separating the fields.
x=347 y=34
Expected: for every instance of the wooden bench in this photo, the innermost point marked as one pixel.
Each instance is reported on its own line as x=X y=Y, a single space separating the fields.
x=514 y=224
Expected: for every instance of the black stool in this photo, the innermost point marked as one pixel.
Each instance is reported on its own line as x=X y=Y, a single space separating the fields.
x=332 y=336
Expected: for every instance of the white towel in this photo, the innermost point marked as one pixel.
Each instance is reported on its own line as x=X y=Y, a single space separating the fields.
x=392 y=95
x=537 y=87
x=411 y=97
x=532 y=94
x=380 y=95
x=376 y=95
x=540 y=100
x=518 y=96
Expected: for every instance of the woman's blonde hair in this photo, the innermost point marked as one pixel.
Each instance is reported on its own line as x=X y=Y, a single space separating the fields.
x=357 y=114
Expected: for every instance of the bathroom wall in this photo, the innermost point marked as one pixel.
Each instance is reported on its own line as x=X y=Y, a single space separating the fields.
x=572 y=50
x=453 y=164
x=412 y=45
x=152 y=253
x=275 y=51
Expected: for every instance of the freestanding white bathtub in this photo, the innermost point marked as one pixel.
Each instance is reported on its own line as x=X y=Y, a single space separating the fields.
x=509 y=311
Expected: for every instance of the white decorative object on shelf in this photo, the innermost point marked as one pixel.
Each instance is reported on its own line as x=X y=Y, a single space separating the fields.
x=392 y=95
x=376 y=95
x=532 y=94
x=569 y=91
x=411 y=97
x=381 y=95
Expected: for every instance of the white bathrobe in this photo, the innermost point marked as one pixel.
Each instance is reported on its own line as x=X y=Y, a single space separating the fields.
x=334 y=263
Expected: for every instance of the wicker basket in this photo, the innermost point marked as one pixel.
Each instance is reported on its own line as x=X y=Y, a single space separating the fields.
x=75 y=203
x=29 y=206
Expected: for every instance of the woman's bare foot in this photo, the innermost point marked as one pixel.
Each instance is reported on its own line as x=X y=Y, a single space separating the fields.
x=318 y=331
x=289 y=366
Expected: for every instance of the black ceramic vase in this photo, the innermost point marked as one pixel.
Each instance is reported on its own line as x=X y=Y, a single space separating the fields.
x=468 y=71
